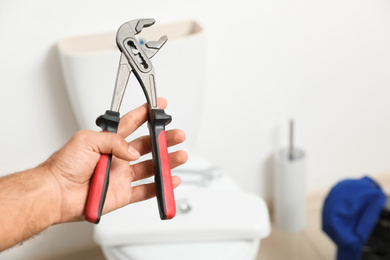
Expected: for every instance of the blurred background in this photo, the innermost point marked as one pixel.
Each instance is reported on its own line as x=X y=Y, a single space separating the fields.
x=323 y=63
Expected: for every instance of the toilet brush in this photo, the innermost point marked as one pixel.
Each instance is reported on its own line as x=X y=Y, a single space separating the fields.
x=291 y=141
x=289 y=186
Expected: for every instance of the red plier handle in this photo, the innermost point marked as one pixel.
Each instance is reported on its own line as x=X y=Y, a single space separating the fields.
x=162 y=170
x=100 y=178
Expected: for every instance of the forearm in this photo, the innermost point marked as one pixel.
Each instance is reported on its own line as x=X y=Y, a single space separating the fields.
x=28 y=204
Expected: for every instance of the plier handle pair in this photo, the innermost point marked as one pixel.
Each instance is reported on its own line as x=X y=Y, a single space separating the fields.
x=135 y=58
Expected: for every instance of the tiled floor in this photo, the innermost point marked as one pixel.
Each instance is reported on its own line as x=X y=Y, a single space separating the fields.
x=309 y=244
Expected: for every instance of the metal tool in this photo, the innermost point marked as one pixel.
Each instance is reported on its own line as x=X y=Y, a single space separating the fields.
x=136 y=58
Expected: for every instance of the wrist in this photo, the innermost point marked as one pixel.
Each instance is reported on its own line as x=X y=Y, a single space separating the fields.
x=29 y=205
x=51 y=193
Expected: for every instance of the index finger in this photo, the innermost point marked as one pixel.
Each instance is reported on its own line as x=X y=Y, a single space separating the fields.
x=135 y=118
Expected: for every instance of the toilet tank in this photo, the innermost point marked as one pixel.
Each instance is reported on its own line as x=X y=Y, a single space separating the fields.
x=90 y=63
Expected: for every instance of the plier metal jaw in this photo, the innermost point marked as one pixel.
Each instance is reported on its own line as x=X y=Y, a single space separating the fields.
x=135 y=58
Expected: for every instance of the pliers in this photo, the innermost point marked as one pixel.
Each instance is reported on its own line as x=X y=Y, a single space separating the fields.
x=135 y=58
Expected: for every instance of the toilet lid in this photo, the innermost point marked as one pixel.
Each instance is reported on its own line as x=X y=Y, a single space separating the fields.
x=205 y=215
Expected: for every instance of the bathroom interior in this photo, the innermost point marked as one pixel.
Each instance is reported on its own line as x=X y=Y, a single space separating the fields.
x=235 y=75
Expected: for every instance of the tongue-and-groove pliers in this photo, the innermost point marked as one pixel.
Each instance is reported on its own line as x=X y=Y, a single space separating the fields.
x=135 y=58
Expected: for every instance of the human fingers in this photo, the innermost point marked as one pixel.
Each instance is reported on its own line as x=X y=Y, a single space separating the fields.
x=147 y=191
x=106 y=143
x=135 y=118
x=145 y=169
x=142 y=144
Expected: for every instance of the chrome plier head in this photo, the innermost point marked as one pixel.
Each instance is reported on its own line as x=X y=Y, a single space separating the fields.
x=138 y=57
x=129 y=30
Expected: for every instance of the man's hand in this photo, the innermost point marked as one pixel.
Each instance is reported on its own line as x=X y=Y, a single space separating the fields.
x=72 y=166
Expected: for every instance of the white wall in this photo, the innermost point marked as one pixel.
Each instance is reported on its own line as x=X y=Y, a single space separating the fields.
x=325 y=63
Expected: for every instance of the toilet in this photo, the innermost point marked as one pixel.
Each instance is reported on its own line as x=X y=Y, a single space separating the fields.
x=215 y=218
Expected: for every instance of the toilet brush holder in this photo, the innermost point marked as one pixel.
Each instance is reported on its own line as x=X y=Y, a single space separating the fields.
x=289 y=194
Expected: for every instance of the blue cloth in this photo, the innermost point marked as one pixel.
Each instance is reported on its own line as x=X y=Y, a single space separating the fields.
x=349 y=215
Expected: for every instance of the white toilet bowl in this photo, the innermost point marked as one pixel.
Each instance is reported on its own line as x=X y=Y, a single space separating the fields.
x=237 y=250
x=215 y=220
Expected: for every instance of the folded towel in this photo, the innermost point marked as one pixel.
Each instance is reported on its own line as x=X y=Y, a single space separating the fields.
x=350 y=213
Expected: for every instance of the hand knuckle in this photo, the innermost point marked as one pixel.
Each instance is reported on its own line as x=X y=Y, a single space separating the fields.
x=81 y=135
